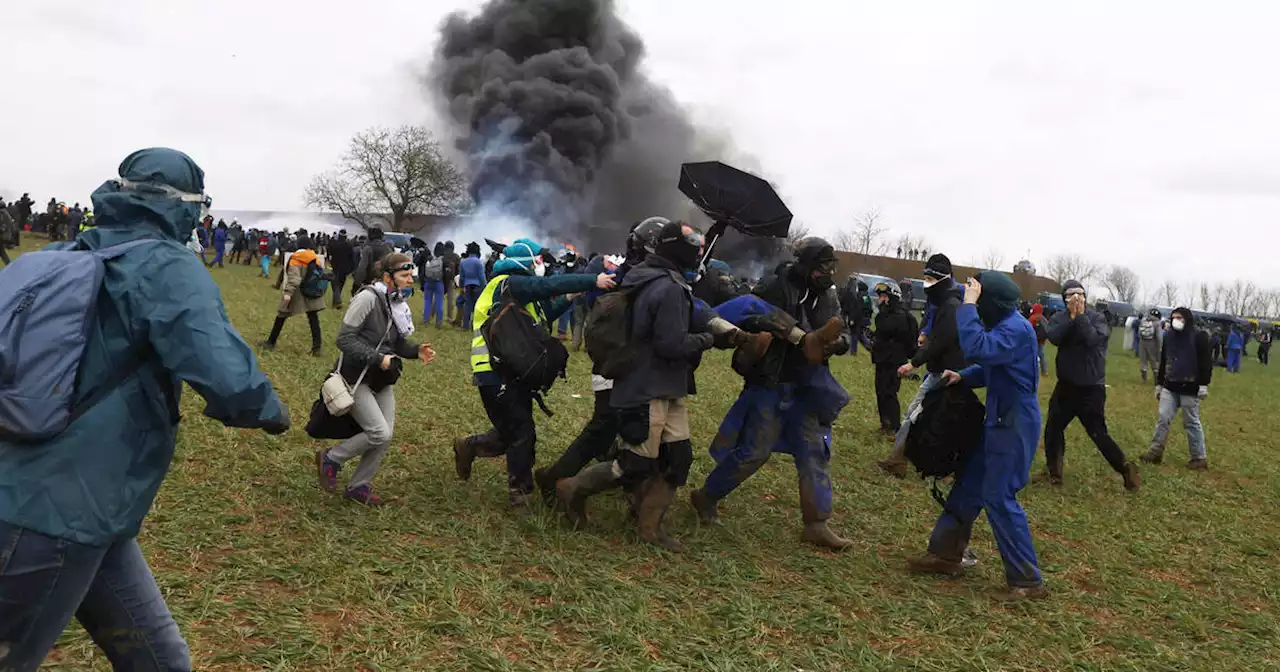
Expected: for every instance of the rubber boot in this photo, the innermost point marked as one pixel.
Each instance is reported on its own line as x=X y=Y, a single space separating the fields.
x=815 y=343
x=464 y=455
x=816 y=530
x=655 y=498
x=705 y=505
x=1020 y=593
x=276 y=328
x=546 y=483
x=1132 y=480
x=573 y=492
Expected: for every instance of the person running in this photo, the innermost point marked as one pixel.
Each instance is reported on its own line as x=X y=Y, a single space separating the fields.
x=294 y=301
x=372 y=340
x=1001 y=345
x=1081 y=336
x=71 y=506
x=1182 y=382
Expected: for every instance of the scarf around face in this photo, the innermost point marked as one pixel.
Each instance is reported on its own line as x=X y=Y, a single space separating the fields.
x=400 y=313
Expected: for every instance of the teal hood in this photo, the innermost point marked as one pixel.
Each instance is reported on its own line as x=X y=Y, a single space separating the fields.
x=999 y=297
x=518 y=258
x=143 y=211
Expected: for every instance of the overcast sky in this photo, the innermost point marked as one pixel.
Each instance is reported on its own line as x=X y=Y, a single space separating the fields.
x=1139 y=133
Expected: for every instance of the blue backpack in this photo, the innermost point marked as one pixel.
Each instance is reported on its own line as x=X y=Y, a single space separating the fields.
x=48 y=308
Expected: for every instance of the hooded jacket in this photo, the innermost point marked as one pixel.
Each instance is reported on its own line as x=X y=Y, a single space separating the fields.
x=798 y=305
x=1082 y=346
x=95 y=482
x=1191 y=338
x=662 y=323
x=941 y=351
x=895 y=337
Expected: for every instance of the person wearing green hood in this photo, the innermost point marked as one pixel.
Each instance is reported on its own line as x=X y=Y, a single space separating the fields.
x=71 y=506
x=507 y=403
x=1001 y=346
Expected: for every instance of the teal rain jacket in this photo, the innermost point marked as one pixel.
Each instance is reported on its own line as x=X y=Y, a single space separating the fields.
x=94 y=483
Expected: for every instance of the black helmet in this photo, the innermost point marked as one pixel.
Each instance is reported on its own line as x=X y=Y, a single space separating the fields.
x=814 y=254
x=644 y=235
x=1154 y=312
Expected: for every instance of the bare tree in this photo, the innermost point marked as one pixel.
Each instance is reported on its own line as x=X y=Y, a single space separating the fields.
x=387 y=174
x=993 y=258
x=1219 y=294
x=1168 y=293
x=867 y=233
x=1064 y=267
x=1244 y=292
x=1204 y=296
x=1123 y=284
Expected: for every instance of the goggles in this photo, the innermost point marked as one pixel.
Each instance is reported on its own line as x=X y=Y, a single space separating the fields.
x=1074 y=292
x=166 y=190
x=827 y=267
x=407 y=266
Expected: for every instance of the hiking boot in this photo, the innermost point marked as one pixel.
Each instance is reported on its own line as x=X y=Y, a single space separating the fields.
x=655 y=499
x=1132 y=481
x=363 y=494
x=705 y=505
x=819 y=533
x=753 y=346
x=815 y=343
x=519 y=501
x=573 y=492
x=932 y=564
x=1046 y=477
x=267 y=345
x=1020 y=593
x=546 y=486
x=327 y=470
x=895 y=468
x=463 y=456
x=317 y=351
x=1152 y=458
x=1201 y=464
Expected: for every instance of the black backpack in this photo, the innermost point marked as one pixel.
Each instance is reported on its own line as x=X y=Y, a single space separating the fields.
x=608 y=332
x=522 y=350
x=315 y=281
x=948 y=429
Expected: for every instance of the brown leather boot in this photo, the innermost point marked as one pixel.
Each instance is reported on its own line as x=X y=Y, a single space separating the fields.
x=932 y=564
x=895 y=468
x=655 y=499
x=753 y=346
x=815 y=342
x=1132 y=480
x=1020 y=593
x=705 y=506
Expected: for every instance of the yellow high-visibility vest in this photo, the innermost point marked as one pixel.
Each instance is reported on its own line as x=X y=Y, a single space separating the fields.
x=485 y=303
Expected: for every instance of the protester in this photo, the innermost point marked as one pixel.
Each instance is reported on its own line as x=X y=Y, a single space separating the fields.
x=7 y=228
x=1264 y=348
x=293 y=300
x=450 y=273
x=1081 y=336
x=1149 y=335
x=893 y=345
x=341 y=260
x=372 y=341
x=1001 y=345
x=1235 y=349
x=940 y=351
x=219 y=243
x=1127 y=341
x=431 y=273
x=370 y=253
x=508 y=403
x=790 y=400
x=72 y=505
x=471 y=271
x=267 y=250
x=1039 y=322
x=1182 y=381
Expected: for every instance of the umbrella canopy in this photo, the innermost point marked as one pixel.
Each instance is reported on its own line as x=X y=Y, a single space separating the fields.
x=495 y=245
x=735 y=198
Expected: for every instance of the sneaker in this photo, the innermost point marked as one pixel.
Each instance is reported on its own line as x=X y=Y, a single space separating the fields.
x=932 y=564
x=1132 y=480
x=1151 y=458
x=1201 y=464
x=364 y=495
x=327 y=470
x=1020 y=593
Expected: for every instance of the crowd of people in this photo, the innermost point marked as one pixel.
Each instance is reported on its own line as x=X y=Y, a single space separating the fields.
x=72 y=500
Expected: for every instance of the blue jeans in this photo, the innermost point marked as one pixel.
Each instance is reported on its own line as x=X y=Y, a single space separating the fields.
x=1170 y=402
x=565 y=323
x=471 y=294
x=45 y=581
x=1044 y=363
x=433 y=301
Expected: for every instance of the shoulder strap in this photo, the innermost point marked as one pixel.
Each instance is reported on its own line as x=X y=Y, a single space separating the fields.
x=390 y=323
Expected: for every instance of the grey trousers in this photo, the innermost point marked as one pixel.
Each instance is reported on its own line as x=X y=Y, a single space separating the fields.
x=376 y=415
x=1149 y=351
x=1170 y=403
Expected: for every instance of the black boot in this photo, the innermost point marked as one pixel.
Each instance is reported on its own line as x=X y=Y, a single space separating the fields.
x=313 y=318
x=574 y=491
x=270 y=343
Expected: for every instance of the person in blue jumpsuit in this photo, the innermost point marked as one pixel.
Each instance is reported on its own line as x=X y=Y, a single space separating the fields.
x=790 y=399
x=71 y=506
x=1235 y=350
x=1001 y=346
x=219 y=243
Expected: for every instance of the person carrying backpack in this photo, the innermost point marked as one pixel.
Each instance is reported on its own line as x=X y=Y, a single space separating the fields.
x=518 y=284
x=373 y=340
x=431 y=275
x=1149 y=342
x=301 y=292
x=71 y=503
x=371 y=253
x=1000 y=343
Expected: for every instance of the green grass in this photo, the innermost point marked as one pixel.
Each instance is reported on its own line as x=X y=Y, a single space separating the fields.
x=264 y=571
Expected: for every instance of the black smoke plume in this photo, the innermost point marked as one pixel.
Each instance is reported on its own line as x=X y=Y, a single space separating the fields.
x=561 y=129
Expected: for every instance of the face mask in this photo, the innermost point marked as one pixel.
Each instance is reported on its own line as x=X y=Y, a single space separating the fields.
x=824 y=282
x=539 y=270
x=1178 y=325
x=691 y=277
x=990 y=312
x=406 y=292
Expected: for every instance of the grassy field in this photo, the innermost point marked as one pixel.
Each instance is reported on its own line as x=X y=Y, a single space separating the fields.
x=264 y=571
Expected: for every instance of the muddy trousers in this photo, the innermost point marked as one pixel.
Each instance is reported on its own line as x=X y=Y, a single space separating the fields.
x=510 y=410
x=757 y=426
x=990 y=480
x=595 y=442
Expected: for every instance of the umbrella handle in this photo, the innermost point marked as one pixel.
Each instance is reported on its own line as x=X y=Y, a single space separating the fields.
x=713 y=236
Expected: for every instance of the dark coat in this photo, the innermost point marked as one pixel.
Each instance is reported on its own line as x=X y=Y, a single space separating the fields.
x=666 y=350
x=341 y=257
x=1204 y=362
x=895 y=337
x=941 y=351
x=1082 y=347
x=805 y=308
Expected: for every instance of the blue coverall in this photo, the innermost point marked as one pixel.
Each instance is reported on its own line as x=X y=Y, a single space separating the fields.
x=1004 y=361
x=1235 y=350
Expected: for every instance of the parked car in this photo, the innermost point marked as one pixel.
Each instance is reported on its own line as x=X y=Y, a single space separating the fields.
x=1116 y=312
x=1052 y=303
x=917 y=300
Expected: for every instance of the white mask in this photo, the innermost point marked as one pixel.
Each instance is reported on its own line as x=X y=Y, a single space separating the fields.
x=1178 y=325
x=539 y=269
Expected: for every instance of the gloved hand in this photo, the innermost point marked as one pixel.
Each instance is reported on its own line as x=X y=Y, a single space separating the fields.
x=1203 y=391
x=704 y=340
x=279 y=425
x=1159 y=391
x=727 y=339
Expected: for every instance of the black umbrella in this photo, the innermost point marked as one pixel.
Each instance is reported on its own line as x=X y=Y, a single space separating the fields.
x=495 y=245
x=734 y=198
